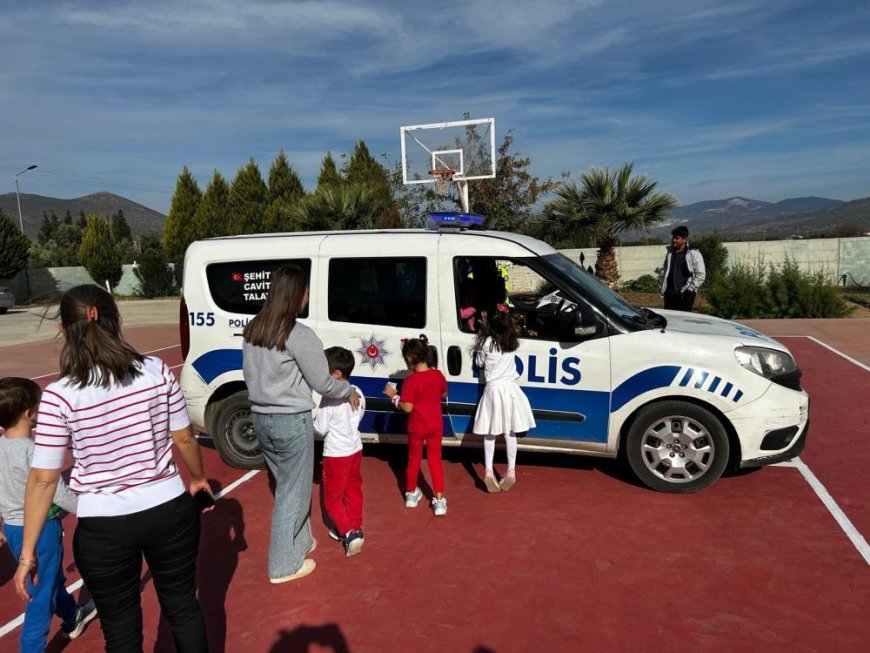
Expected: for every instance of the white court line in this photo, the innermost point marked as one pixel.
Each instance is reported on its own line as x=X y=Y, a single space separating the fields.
x=42 y=376
x=836 y=351
x=844 y=522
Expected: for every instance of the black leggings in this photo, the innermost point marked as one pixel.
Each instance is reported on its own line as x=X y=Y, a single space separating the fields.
x=108 y=552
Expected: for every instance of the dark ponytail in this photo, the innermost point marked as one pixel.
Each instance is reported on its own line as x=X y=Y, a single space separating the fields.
x=94 y=351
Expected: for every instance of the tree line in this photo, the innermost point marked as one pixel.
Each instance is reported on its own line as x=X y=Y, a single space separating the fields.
x=360 y=192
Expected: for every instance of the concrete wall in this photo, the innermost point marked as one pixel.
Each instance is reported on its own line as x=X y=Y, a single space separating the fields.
x=835 y=256
x=44 y=281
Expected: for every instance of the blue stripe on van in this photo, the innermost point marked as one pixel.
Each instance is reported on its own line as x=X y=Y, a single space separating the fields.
x=216 y=362
x=651 y=379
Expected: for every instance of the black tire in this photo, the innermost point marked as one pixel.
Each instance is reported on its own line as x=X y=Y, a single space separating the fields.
x=233 y=431
x=677 y=446
x=3 y=310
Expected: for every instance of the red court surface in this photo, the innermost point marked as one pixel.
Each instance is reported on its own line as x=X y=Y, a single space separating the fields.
x=576 y=557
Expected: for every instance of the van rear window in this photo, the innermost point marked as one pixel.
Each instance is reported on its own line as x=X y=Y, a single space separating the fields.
x=241 y=287
x=382 y=291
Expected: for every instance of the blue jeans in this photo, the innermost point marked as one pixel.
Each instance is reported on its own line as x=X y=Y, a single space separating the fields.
x=288 y=447
x=49 y=595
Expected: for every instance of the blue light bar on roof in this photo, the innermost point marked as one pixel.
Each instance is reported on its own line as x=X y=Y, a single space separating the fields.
x=447 y=219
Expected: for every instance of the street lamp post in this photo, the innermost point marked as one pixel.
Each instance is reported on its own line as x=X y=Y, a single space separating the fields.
x=32 y=166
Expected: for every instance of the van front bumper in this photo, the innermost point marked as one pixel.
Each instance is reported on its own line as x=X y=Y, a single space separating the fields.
x=772 y=428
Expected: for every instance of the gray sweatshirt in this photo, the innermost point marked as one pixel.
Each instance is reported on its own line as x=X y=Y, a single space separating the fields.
x=15 y=457
x=282 y=381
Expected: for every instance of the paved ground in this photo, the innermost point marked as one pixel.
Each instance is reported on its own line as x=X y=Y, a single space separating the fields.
x=576 y=557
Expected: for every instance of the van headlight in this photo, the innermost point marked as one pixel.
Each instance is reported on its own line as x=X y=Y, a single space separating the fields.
x=769 y=363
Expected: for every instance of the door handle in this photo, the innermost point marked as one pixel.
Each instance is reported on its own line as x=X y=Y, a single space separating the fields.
x=454 y=360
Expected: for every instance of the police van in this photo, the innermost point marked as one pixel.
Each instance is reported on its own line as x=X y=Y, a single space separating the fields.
x=681 y=396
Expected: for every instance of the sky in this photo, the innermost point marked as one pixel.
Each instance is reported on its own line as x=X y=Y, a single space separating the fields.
x=712 y=99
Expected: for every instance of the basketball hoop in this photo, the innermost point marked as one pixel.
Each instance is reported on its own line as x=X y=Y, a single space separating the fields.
x=443 y=177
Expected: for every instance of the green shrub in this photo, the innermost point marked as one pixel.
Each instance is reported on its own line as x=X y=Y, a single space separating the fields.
x=646 y=283
x=745 y=291
x=739 y=292
x=715 y=255
x=154 y=274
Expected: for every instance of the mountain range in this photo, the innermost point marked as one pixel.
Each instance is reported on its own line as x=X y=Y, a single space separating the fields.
x=747 y=219
x=734 y=218
x=140 y=218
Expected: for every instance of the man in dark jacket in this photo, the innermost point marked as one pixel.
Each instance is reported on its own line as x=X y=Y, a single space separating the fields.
x=684 y=272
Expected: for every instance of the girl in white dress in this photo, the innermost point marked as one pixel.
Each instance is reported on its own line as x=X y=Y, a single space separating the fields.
x=503 y=409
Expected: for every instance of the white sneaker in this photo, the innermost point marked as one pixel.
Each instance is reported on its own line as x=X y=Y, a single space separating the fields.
x=439 y=507
x=413 y=498
x=84 y=615
x=307 y=567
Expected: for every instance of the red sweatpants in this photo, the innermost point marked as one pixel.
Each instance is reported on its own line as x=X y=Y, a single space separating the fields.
x=342 y=491
x=415 y=457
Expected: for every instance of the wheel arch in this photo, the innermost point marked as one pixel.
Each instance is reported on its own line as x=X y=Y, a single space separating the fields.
x=735 y=453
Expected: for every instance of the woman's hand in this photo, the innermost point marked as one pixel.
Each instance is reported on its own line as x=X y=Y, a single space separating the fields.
x=390 y=390
x=27 y=567
x=201 y=485
x=354 y=399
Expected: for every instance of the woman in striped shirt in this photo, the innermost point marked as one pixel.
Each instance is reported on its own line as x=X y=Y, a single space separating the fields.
x=122 y=412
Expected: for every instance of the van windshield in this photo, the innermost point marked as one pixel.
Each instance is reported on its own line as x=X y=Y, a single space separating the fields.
x=590 y=288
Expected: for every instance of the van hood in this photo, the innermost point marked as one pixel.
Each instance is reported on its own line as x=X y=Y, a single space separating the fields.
x=699 y=324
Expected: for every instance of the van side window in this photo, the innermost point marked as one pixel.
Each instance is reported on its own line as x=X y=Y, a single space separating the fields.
x=545 y=312
x=241 y=287
x=383 y=291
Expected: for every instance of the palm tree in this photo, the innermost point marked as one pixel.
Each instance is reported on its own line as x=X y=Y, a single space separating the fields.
x=606 y=203
x=341 y=207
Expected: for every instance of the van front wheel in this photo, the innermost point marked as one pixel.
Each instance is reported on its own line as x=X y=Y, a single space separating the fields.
x=234 y=435
x=677 y=446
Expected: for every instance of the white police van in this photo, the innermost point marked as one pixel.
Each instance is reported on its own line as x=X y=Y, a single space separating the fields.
x=682 y=396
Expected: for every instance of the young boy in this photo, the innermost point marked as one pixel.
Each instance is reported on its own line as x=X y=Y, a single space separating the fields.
x=342 y=456
x=19 y=399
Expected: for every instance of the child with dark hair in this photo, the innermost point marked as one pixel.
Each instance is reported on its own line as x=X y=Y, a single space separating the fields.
x=421 y=397
x=19 y=399
x=338 y=423
x=503 y=408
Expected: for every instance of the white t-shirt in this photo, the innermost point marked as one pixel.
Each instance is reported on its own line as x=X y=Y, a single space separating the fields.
x=121 y=440
x=338 y=423
x=496 y=366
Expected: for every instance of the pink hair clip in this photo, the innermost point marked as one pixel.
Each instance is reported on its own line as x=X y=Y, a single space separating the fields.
x=502 y=308
x=92 y=314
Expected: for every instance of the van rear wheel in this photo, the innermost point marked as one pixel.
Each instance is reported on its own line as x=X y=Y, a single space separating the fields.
x=677 y=446
x=234 y=435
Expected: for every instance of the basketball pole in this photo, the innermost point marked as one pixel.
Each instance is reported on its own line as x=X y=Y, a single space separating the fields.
x=462 y=187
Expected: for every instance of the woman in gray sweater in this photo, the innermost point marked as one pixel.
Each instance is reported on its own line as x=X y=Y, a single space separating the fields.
x=283 y=362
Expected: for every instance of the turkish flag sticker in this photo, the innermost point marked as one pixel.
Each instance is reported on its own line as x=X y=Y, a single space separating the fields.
x=237 y=277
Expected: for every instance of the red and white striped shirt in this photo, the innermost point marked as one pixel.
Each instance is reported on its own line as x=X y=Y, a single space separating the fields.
x=121 y=441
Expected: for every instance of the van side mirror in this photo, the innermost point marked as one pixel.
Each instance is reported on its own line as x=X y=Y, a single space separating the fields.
x=585 y=322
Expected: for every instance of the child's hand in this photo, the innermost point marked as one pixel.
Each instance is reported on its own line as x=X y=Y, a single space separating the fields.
x=2 y=539
x=390 y=390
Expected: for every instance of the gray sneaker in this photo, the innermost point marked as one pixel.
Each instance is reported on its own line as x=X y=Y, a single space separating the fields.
x=439 y=507
x=85 y=614
x=413 y=498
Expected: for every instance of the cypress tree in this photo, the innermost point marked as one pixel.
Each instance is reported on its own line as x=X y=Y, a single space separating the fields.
x=120 y=227
x=285 y=190
x=14 y=247
x=99 y=253
x=67 y=219
x=178 y=229
x=48 y=228
x=247 y=200
x=363 y=170
x=329 y=175
x=213 y=215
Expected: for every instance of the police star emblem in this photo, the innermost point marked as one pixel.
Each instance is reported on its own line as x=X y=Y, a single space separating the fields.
x=372 y=351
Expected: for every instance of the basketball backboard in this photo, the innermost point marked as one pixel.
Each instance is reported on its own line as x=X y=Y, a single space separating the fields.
x=465 y=146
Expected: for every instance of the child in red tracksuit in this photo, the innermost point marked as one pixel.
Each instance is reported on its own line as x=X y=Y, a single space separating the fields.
x=421 y=397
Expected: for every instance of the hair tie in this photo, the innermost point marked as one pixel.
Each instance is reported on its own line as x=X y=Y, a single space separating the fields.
x=502 y=308
x=92 y=314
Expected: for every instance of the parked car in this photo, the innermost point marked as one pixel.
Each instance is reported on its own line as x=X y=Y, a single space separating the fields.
x=7 y=299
